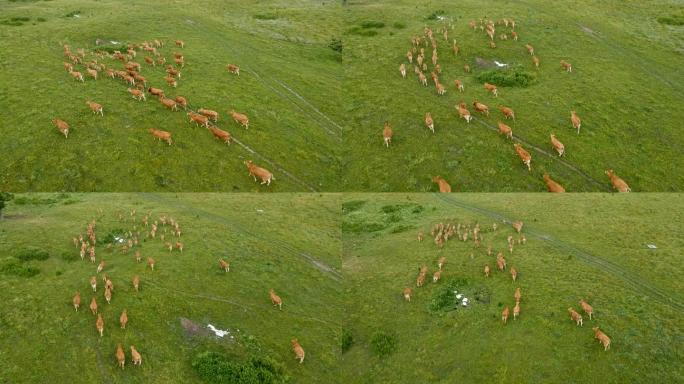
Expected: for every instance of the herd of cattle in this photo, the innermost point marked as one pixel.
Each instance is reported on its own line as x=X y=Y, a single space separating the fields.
x=130 y=75
x=168 y=232
x=417 y=54
x=442 y=232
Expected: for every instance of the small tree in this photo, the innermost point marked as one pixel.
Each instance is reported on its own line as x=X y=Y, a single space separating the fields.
x=4 y=198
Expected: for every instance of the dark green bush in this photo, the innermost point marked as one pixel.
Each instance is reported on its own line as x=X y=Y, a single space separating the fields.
x=346 y=340
x=336 y=45
x=353 y=226
x=31 y=200
x=213 y=367
x=32 y=253
x=383 y=343
x=443 y=298
x=672 y=20
x=14 y=267
x=511 y=77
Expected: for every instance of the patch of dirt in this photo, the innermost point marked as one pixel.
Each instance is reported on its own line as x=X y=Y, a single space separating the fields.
x=587 y=30
x=192 y=329
x=106 y=42
x=483 y=63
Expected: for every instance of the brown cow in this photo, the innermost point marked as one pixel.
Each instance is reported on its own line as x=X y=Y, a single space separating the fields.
x=68 y=67
x=136 y=283
x=586 y=308
x=429 y=122
x=387 y=134
x=602 y=338
x=517 y=296
x=182 y=101
x=420 y=236
x=507 y=112
x=135 y=356
x=213 y=115
x=100 y=266
x=440 y=88
x=576 y=121
x=420 y=280
x=459 y=85
x=156 y=92
x=505 y=130
x=220 y=134
x=576 y=317
x=441 y=262
x=516 y=310
x=530 y=49
x=517 y=225
x=199 y=119
x=120 y=356
x=62 y=126
x=123 y=319
x=77 y=76
x=514 y=273
x=262 y=173
x=161 y=135
x=422 y=79
x=491 y=88
x=93 y=283
x=524 y=155
x=137 y=94
x=444 y=187
x=180 y=43
x=275 y=299
x=224 y=265
x=535 y=61
x=108 y=295
x=463 y=112
x=298 y=350
x=95 y=107
x=481 y=107
x=504 y=315
x=617 y=182
x=93 y=306
x=171 y=81
x=92 y=73
x=239 y=118
x=486 y=270
x=552 y=185
x=150 y=263
x=567 y=66
x=466 y=68
x=234 y=69
x=77 y=300
x=407 y=294
x=99 y=324
x=436 y=276
x=557 y=145
x=402 y=70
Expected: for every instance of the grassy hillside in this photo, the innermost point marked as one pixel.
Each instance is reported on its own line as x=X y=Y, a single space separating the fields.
x=591 y=246
x=290 y=243
x=288 y=86
x=625 y=85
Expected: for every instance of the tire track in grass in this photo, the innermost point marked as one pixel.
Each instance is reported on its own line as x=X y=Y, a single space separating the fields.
x=635 y=282
x=285 y=247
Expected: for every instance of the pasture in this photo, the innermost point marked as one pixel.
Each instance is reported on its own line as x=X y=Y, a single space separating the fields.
x=626 y=85
x=290 y=243
x=578 y=246
x=289 y=87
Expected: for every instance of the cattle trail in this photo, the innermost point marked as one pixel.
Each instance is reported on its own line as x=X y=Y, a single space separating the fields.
x=282 y=84
x=637 y=284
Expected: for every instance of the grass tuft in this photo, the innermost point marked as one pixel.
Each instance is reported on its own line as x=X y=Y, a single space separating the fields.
x=346 y=340
x=32 y=253
x=512 y=77
x=14 y=267
x=383 y=343
x=214 y=367
x=676 y=20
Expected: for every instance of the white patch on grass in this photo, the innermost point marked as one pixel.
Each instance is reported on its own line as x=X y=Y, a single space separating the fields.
x=651 y=246
x=500 y=65
x=218 y=332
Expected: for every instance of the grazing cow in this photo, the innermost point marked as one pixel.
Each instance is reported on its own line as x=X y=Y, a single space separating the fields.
x=514 y=35
x=491 y=88
x=179 y=61
x=459 y=85
x=436 y=276
x=501 y=262
x=576 y=121
x=182 y=101
x=275 y=299
x=420 y=280
x=486 y=270
x=420 y=236
x=407 y=294
x=120 y=356
x=224 y=265
x=62 y=126
x=93 y=306
x=298 y=350
x=239 y=118
x=402 y=70
x=530 y=49
x=150 y=61
x=507 y=112
x=517 y=225
x=150 y=263
x=517 y=294
x=171 y=81
x=95 y=107
x=440 y=88
x=180 y=43
x=557 y=145
x=123 y=319
x=504 y=315
x=602 y=338
x=137 y=94
x=422 y=79
x=617 y=182
x=444 y=187
x=68 y=67
x=99 y=324
x=136 y=283
x=92 y=73
x=535 y=61
x=514 y=273
x=420 y=59
x=213 y=115
x=438 y=68
x=234 y=69
x=100 y=266
x=505 y=130
x=466 y=68
x=220 y=134
x=567 y=66
x=552 y=185
x=179 y=246
x=524 y=155
x=429 y=122
x=109 y=284
x=441 y=262
x=492 y=44
x=576 y=317
x=108 y=295
x=135 y=356
x=161 y=135
x=262 y=173
x=77 y=300
x=93 y=283
x=156 y=92
x=199 y=119
x=387 y=134
x=586 y=308
x=463 y=112
x=77 y=76
x=516 y=310
x=481 y=107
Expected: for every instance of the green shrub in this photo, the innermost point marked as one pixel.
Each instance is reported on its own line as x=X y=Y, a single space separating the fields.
x=69 y=257
x=110 y=237
x=372 y=24
x=346 y=340
x=14 y=267
x=353 y=226
x=402 y=228
x=672 y=20
x=362 y=32
x=31 y=200
x=511 y=77
x=399 y=25
x=41 y=19
x=32 y=253
x=335 y=44
x=213 y=367
x=444 y=298
x=383 y=343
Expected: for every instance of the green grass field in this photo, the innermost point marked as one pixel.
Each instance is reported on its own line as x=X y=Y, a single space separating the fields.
x=590 y=246
x=289 y=86
x=287 y=242
x=626 y=85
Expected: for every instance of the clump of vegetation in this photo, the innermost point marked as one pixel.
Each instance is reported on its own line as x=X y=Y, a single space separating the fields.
x=383 y=343
x=31 y=200
x=15 y=21
x=346 y=340
x=112 y=235
x=213 y=367
x=351 y=206
x=4 y=198
x=69 y=257
x=399 y=25
x=32 y=253
x=265 y=16
x=372 y=24
x=362 y=32
x=512 y=77
x=436 y=14
x=444 y=299
x=14 y=267
x=72 y=14
x=110 y=48
x=41 y=19
x=336 y=45
x=676 y=20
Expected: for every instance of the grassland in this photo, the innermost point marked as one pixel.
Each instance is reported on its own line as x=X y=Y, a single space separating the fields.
x=591 y=246
x=287 y=242
x=289 y=86
x=626 y=85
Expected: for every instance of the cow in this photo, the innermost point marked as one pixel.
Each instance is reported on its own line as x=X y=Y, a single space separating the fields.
x=136 y=283
x=262 y=173
x=530 y=49
x=466 y=68
x=68 y=67
x=109 y=284
x=150 y=263
x=463 y=112
x=441 y=262
x=552 y=185
x=486 y=270
x=407 y=294
x=501 y=262
x=505 y=130
x=517 y=296
x=576 y=121
x=602 y=338
x=108 y=295
x=459 y=85
x=93 y=306
x=420 y=280
x=507 y=112
x=99 y=324
x=516 y=310
x=444 y=187
x=567 y=66
x=135 y=356
x=504 y=315
x=535 y=61
x=557 y=145
x=77 y=301
x=586 y=308
x=171 y=81
x=524 y=156
x=275 y=299
x=78 y=76
x=220 y=134
x=161 y=135
x=137 y=94
x=436 y=276
x=225 y=266
x=93 y=283
x=517 y=225
x=429 y=122
x=239 y=118
x=387 y=134
x=156 y=92
x=150 y=61
x=234 y=69
x=402 y=70
x=422 y=79
x=199 y=119
x=298 y=350
x=95 y=107
x=440 y=88
x=213 y=115
x=491 y=88
x=514 y=273
x=514 y=35
x=617 y=182
x=62 y=126
x=120 y=356
x=92 y=73
x=100 y=266
x=481 y=107
x=576 y=317
x=123 y=319
x=180 y=43
x=492 y=44
x=420 y=236
x=182 y=101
